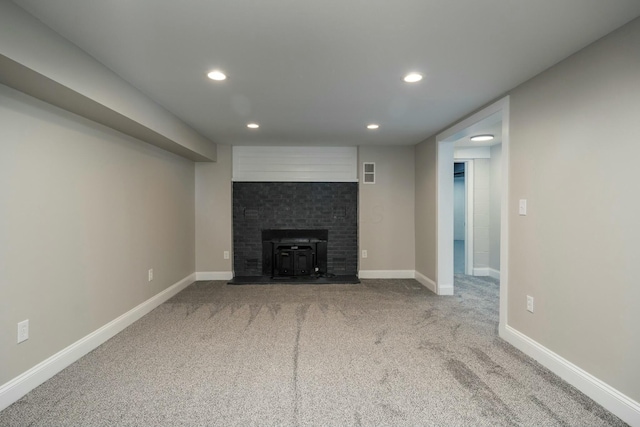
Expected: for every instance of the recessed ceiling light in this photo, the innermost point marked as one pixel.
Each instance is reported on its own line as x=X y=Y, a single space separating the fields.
x=413 y=77
x=373 y=126
x=253 y=126
x=481 y=138
x=217 y=75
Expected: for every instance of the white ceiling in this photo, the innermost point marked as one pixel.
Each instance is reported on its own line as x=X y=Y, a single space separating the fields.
x=316 y=72
x=491 y=125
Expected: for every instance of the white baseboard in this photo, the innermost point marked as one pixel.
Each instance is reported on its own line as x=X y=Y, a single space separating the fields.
x=481 y=271
x=487 y=271
x=433 y=286
x=214 y=275
x=445 y=289
x=27 y=381
x=386 y=274
x=426 y=282
x=611 y=399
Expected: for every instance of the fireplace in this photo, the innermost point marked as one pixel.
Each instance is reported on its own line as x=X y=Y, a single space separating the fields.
x=303 y=231
x=291 y=253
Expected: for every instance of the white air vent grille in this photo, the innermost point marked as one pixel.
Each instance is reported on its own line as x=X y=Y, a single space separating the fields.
x=369 y=173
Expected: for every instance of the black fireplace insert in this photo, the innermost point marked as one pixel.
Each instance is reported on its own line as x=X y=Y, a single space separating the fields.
x=291 y=253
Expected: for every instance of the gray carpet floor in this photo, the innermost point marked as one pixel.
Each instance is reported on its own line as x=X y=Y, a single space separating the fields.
x=384 y=352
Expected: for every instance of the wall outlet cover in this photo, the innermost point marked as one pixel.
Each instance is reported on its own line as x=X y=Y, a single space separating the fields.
x=23 y=331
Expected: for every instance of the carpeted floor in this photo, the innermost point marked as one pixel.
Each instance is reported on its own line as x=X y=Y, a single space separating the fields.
x=385 y=352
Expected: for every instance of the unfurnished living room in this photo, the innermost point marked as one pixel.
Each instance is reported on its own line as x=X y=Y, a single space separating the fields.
x=319 y=213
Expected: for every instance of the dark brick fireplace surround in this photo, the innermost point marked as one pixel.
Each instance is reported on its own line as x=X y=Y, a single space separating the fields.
x=331 y=206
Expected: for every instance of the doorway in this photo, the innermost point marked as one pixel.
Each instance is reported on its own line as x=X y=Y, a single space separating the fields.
x=497 y=112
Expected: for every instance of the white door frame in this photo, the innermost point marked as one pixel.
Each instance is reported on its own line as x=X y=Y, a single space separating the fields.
x=468 y=226
x=445 y=160
x=468 y=214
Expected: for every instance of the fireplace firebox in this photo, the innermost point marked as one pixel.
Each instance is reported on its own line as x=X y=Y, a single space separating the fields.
x=292 y=253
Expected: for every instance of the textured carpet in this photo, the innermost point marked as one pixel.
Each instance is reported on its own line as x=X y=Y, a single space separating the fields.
x=385 y=352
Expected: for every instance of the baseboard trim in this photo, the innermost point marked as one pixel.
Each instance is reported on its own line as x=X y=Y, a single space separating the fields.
x=481 y=271
x=486 y=271
x=214 y=275
x=426 y=282
x=433 y=286
x=611 y=399
x=386 y=274
x=32 y=378
x=445 y=289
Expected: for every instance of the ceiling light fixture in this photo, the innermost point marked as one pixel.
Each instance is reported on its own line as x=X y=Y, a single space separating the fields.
x=373 y=126
x=253 y=126
x=413 y=77
x=481 y=138
x=217 y=75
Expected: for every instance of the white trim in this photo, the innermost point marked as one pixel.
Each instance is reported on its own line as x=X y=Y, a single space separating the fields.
x=426 y=282
x=445 y=289
x=611 y=399
x=214 y=275
x=27 y=381
x=481 y=271
x=387 y=274
x=472 y=153
x=493 y=273
x=504 y=213
x=469 y=183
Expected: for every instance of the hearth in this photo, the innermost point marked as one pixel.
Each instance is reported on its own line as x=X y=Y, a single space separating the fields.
x=292 y=253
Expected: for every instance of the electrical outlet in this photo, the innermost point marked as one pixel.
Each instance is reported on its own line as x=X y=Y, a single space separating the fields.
x=226 y=254
x=530 y=303
x=23 y=331
x=150 y=274
x=364 y=253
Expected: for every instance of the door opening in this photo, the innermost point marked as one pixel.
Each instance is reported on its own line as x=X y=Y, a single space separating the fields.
x=497 y=114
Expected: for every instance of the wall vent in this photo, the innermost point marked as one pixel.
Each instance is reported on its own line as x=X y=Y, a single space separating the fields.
x=369 y=173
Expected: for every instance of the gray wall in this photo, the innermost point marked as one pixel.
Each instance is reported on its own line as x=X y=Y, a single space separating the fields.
x=481 y=212
x=387 y=209
x=426 y=190
x=86 y=211
x=213 y=213
x=573 y=155
x=495 y=197
x=459 y=200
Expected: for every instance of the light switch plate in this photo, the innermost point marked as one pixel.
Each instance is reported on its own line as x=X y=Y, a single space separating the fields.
x=522 y=207
x=530 y=303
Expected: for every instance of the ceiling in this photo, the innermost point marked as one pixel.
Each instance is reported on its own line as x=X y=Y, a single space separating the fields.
x=317 y=72
x=491 y=125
